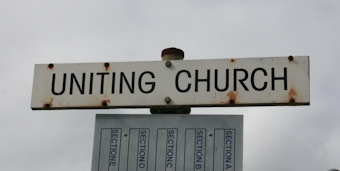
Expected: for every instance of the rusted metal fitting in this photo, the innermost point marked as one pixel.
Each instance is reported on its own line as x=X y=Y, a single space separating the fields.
x=168 y=55
x=171 y=110
x=172 y=54
x=167 y=100
x=290 y=58
x=107 y=66
x=50 y=66
x=105 y=103
x=168 y=64
x=47 y=105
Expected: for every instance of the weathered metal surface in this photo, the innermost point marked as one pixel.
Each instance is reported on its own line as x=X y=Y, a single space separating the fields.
x=204 y=83
x=168 y=143
x=172 y=54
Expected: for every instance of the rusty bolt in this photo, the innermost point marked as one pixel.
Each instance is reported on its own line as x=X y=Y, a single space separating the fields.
x=290 y=58
x=232 y=101
x=50 y=66
x=47 y=105
x=106 y=65
x=167 y=100
x=291 y=100
x=104 y=104
x=168 y=64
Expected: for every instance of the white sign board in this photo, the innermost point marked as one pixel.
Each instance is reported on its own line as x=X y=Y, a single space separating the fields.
x=205 y=83
x=168 y=143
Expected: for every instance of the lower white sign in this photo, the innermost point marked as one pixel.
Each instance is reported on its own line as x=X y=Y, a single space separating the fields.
x=168 y=143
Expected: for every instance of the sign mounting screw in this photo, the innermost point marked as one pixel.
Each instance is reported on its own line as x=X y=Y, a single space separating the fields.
x=167 y=100
x=168 y=64
x=291 y=58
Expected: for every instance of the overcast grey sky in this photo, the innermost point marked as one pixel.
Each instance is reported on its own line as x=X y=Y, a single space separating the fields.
x=77 y=31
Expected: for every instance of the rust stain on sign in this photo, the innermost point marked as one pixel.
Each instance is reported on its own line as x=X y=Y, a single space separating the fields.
x=291 y=58
x=49 y=104
x=50 y=66
x=292 y=95
x=107 y=66
x=232 y=97
x=105 y=102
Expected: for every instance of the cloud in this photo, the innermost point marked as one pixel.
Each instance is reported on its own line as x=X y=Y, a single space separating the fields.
x=275 y=138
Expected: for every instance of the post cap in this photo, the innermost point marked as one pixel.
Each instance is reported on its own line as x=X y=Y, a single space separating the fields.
x=172 y=54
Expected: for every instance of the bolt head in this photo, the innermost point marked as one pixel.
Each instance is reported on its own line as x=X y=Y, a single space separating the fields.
x=167 y=100
x=168 y=64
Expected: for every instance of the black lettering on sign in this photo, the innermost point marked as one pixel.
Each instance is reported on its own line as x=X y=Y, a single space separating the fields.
x=245 y=73
x=171 y=146
x=115 y=149
x=102 y=81
x=113 y=83
x=153 y=84
x=91 y=83
x=284 y=78
x=85 y=83
x=80 y=88
x=253 y=79
x=130 y=86
x=207 y=80
x=143 y=149
x=229 y=148
x=53 y=85
x=257 y=79
x=199 y=149
x=177 y=84
x=226 y=81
